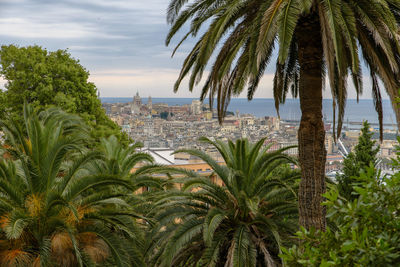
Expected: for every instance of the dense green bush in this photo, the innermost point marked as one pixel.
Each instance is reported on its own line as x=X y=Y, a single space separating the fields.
x=51 y=79
x=54 y=210
x=368 y=228
x=241 y=218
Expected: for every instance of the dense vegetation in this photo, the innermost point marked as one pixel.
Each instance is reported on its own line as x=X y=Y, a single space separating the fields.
x=66 y=203
x=242 y=218
x=51 y=79
x=310 y=40
x=365 y=232
x=363 y=214
x=357 y=161
x=53 y=210
x=73 y=193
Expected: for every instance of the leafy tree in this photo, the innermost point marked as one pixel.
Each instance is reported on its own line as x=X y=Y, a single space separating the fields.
x=240 y=219
x=314 y=39
x=2 y=102
x=164 y=115
x=52 y=211
x=47 y=79
x=364 y=155
x=368 y=228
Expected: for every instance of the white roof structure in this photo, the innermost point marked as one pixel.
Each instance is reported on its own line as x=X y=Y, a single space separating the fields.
x=161 y=155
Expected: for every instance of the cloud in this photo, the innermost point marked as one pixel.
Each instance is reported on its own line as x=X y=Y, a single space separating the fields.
x=26 y=28
x=121 y=42
x=156 y=82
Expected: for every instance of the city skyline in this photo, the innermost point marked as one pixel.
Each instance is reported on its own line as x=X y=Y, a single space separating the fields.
x=121 y=43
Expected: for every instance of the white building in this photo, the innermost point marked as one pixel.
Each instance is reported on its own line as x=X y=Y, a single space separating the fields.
x=195 y=108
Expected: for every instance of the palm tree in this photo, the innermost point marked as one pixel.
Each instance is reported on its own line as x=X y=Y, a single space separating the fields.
x=119 y=160
x=145 y=176
x=52 y=212
x=315 y=38
x=129 y=164
x=241 y=219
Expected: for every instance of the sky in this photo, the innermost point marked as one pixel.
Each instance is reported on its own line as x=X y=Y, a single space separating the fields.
x=120 y=42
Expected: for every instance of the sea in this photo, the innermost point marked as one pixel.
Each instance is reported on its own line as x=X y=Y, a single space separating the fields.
x=261 y=107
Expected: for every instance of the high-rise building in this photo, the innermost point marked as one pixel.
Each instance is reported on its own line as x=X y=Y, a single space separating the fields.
x=196 y=107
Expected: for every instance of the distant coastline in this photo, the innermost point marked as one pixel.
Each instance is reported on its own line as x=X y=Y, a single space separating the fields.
x=261 y=107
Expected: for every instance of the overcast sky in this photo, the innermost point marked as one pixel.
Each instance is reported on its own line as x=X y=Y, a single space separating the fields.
x=121 y=42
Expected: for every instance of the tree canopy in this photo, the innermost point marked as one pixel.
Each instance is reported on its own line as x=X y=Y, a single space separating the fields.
x=239 y=39
x=313 y=40
x=240 y=219
x=359 y=160
x=53 y=211
x=367 y=229
x=44 y=79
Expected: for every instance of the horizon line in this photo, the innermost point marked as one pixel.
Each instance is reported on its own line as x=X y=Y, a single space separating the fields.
x=244 y=98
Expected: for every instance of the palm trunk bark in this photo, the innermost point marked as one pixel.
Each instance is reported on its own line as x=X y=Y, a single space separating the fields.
x=311 y=134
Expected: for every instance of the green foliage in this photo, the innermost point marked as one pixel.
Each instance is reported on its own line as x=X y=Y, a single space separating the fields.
x=47 y=79
x=164 y=115
x=119 y=160
x=136 y=167
x=2 y=102
x=238 y=39
x=363 y=156
x=368 y=227
x=54 y=211
x=239 y=216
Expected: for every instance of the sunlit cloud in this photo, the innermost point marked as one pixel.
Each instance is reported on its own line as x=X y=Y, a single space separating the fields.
x=157 y=83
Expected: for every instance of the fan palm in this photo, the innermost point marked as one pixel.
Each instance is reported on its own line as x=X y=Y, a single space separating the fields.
x=314 y=39
x=52 y=213
x=239 y=220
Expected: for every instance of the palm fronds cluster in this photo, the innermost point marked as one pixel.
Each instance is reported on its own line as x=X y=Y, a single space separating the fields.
x=53 y=210
x=65 y=203
x=240 y=221
x=236 y=40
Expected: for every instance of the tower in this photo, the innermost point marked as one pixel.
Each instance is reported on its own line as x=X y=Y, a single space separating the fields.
x=136 y=104
x=137 y=100
x=149 y=103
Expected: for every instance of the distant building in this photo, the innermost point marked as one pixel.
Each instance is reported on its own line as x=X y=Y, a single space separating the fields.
x=160 y=107
x=150 y=103
x=330 y=144
x=208 y=115
x=137 y=100
x=136 y=104
x=115 y=109
x=196 y=107
x=179 y=109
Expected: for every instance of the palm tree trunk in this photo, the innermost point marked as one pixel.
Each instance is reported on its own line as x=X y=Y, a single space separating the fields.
x=311 y=135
